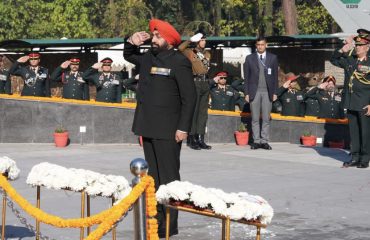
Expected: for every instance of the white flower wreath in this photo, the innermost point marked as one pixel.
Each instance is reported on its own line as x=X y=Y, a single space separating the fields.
x=8 y=165
x=56 y=177
x=234 y=205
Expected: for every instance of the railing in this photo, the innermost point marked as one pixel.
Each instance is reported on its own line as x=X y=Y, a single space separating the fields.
x=142 y=198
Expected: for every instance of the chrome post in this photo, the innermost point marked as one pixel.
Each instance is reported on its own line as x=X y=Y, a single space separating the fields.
x=139 y=168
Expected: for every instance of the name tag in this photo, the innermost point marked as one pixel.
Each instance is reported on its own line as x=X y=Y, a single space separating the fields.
x=79 y=79
x=160 y=71
x=228 y=93
x=43 y=75
x=269 y=71
x=115 y=82
x=338 y=98
x=2 y=77
x=299 y=97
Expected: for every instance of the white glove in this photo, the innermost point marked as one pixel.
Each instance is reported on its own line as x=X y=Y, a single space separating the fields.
x=196 y=37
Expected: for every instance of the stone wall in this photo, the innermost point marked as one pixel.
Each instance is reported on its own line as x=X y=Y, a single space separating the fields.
x=24 y=121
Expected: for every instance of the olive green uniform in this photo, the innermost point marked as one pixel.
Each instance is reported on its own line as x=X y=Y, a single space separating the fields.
x=5 y=83
x=223 y=99
x=330 y=104
x=74 y=87
x=108 y=86
x=36 y=82
x=357 y=95
x=291 y=101
x=200 y=64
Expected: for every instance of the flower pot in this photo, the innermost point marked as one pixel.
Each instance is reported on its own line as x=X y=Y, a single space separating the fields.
x=61 y=139
x=241 y=138
x=334 y=144
x=308 y=140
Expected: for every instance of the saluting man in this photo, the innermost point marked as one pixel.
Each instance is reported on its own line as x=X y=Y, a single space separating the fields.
x=290 y=97
x=200 y=59
x=74 y=87
x=330 y=102
x=108 y=84
x=36 y=78
x=5 y=83
x=223 y=96
x=357 y=96
x=165 y=105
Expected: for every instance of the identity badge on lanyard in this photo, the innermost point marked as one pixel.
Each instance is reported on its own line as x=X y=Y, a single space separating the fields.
x=269 y=70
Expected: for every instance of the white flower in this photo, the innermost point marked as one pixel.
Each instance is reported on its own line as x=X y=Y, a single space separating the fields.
x=234 y=205
x=9 y=166
x=93 y=183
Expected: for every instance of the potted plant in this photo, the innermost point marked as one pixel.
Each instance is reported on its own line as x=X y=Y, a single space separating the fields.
x=242 y=135
x=308 y=139
x=60 y=136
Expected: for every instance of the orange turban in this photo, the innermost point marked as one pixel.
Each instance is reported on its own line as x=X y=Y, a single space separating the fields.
x=167 y=31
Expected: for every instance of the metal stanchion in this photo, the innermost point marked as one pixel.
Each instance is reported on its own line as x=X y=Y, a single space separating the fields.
x=3 y=217
x=139 y=168
x=88 y=211
x=38 y=206
x=114 y=232
x=82 y=232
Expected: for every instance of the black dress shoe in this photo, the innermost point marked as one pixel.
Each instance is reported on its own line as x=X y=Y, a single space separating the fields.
x=266 y=146
x=351 y=164
x=255 y=146
x=363 y=165
x=162 y=234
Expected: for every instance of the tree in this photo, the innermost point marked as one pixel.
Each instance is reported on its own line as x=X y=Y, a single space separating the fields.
x=290 y=17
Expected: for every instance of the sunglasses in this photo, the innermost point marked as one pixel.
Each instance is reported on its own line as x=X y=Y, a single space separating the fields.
x=222 y=77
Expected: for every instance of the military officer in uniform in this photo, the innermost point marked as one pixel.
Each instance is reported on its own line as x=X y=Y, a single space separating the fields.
x=357 y=94
x=74 y=87
x=290 y=97
x=312 y=107
x=223 y=96
x=200 y=60
x=330 y=101
x=36 y=78
x=5 y=83
x=108 y=84
x=165 y=106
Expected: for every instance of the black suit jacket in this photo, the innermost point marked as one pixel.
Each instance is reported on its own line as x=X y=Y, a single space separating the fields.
x=251 y=74
x=164 y=103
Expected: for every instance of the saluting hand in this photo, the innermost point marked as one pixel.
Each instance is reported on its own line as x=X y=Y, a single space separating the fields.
x=367 y=109
x=287 y=84
x=216 y=79
x=65 y=64
x=323 y=85
x=139 y=38
x=97 y=65
x=23 y=59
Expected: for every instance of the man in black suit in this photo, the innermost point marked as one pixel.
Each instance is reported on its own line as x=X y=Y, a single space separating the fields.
x=261 y=84
x=165 y=105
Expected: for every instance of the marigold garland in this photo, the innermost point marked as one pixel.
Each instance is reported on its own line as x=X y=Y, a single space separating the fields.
x=106 y=218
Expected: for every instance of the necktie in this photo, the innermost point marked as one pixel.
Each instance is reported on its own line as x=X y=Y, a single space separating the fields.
x=261 y=57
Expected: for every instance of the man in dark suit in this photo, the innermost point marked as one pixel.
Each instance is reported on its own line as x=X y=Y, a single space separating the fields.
x=165 y=105
x=261 y=84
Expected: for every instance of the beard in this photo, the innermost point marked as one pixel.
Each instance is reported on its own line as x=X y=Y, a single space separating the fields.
x=155 y=48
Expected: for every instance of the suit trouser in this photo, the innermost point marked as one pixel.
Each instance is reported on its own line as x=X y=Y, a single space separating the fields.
x=261 y=105
x=359 y=131
x=200 y=116
x=163 y=157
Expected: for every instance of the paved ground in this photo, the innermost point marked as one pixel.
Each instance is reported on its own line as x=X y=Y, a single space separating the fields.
x=313 y=198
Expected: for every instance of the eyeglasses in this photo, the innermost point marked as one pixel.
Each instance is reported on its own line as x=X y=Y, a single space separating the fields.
x=222 y=77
